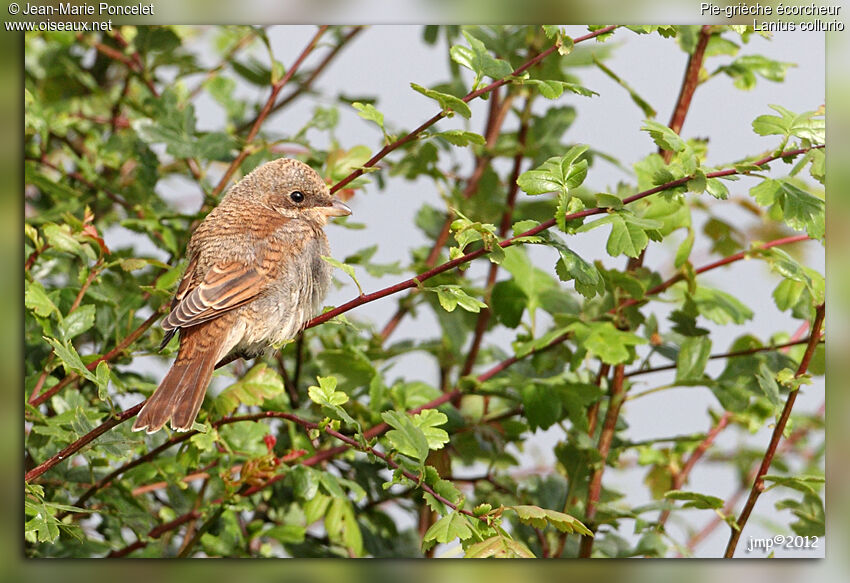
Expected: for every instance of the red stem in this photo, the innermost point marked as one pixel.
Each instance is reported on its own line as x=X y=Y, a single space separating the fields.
x=467 y=98
x=779 y=428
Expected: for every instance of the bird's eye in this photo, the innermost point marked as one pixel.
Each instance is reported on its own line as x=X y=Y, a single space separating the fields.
x=297 y=196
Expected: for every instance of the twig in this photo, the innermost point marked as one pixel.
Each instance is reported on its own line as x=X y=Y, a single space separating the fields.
x=466 y=99
x=680 y=477
x=495 y=119
x=606 y=437
x=689 y=85
x=758 y=484
x=504 y=227
x=697 y=538
x=82 y=442
x=255 y=129
x=635 y=373
x=378 y=429
x=304 y=86
x=417 y=280
x=119 y=348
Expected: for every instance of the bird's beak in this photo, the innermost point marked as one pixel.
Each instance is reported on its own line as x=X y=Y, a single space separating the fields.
x=337 y=209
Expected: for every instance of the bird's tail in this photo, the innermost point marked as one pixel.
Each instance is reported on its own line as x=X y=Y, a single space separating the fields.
x=180 y=394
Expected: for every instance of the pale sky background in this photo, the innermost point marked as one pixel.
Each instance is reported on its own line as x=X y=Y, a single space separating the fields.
x=383 y=60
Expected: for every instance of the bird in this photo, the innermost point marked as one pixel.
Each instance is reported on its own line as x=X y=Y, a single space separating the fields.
x=254 y=278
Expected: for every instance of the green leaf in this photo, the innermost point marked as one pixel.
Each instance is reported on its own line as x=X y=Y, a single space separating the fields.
x=258 y=384
x=368 y=112
x=286 y=533
x=326 y=394
x=720 y=307
x=452 y=296
x=508 y=301
x=629 y=233
x=448 y=103
x=427 y=420
x=541 y=405
x=477 y=59
x=448 y=528
x=744 y=70
x=553 y=89
x=588 y=281
x=540 y=517
x=692 y=358
x=716 y=188
x=664 y=137
x=808 y=125
x=499 y=547
x=461 y=137
x=37 y=300
x=806 y=484
x=349 y=270
x=767 y=382
x=406 y=437
x=59 y=237
x=341 y=526
x=71 y=360
x=603 y=339
x=557 y=174
x=328 y=397
x=695 y=500
x=77 y=322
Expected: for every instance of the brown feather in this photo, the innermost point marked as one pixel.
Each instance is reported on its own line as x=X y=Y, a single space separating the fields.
x=181 y=393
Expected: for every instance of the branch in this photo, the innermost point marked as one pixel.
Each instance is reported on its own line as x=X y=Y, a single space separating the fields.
x=417 y=280
x=466 y=99
x=504 y=227
x=495 y=119
x=758 y=484
x=264 y=113
x=680 y=477
x=689 y=85
x=606 y=437
x=82 y=442
x=119 y=348
x=771 y=348
x=308 y=82
x=374 y=431
x=350 y=442
x=786 y=446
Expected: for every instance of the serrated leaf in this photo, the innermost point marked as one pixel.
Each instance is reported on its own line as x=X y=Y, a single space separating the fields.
x=808 y=125
x=77 y=322
x=326 y=394
x=452 y=296
x=721 y=307
x=406 y=437
x=696 y=500
x=349 y=270
x=540 y=517
x=692 y=358
x=448 y=103
x=71 y=360
x=557 y=174
x=477 y=59
x=806 y=484
x=368 y=112
x=603 y=339
x=37 y=300
x=258 y=384
x=448 y=528
x=499 y=547
x=664 y=137
x=461 y=137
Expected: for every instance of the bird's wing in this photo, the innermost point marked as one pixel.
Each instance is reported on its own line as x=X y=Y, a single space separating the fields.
x=227 y=285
